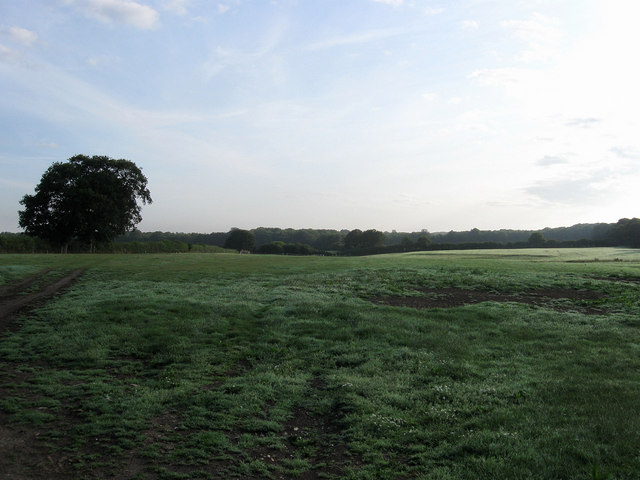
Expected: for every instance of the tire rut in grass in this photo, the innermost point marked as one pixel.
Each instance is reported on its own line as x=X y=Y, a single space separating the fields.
x=25 y=449
x=22 y=285
x=16 y=297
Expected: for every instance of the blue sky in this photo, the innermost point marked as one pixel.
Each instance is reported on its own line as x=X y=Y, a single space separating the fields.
x=388 y=114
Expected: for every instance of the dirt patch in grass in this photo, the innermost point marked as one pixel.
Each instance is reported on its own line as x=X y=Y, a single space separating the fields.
x=26 y=450
x=23 y=455
x=30 y=451
x=560 y=299
x=22 y=285
x=17 y=297
x=624 y=280
x=310 y=439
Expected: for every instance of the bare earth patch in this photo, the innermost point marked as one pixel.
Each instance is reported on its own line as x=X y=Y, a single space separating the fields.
x=318 y=439
x=561 y=299
x=18 y=296
x=22 y=285
x=23 y=450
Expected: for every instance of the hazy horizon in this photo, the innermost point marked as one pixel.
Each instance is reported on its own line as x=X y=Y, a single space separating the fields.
x=387 y=114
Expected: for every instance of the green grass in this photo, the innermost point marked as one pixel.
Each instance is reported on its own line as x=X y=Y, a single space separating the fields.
x=202 y=365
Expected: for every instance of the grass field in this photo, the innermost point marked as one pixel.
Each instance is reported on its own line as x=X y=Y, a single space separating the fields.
x=222 y=366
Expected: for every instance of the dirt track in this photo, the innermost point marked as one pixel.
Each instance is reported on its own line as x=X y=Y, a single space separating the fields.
x=570 y=299
x=22 y=455
x=19 y=296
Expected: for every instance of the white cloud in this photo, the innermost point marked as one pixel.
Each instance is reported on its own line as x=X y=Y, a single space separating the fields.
x=7 y=54
x=178 y=7
x=433 y=10
x=583 y=122
x=395 y=3
x=222 y=9
x=356 y=38
x=430 y=97
x=264 y=59
x=541 y=34
x=102 y=60
x=119 y=11
x=469 y=25
x=548 y=160
x=630 y=153
x=567 y=191
x=46 y=144
x=23 y=36
x=500 y=77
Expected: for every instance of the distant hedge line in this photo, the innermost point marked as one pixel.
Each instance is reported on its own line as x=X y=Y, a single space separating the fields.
x=21 y=243
x=626 y=232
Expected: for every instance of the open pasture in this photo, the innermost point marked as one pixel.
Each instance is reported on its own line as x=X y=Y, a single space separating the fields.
x=437 y=365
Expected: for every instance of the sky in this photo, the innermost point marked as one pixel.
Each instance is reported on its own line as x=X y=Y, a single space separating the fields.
x=388 y=114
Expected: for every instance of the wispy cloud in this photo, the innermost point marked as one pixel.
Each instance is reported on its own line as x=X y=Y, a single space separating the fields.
x=583 y=122
x=64 y=97
x=629 y=153
x=119 y=11
x=499 y=76
x=102 y=60
x=178 y=7
x=540 y=33
x=433 y=10
x=548 y=160
x=256 y=61
x=394 y=3
x=8 y=55
x=356 y=38
x=469 y=25
x=22 y=36
x=568 y=191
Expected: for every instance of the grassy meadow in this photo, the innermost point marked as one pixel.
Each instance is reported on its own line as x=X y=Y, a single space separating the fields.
x=242 y=366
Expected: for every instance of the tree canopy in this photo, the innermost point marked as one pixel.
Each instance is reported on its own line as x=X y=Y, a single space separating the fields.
x=239 y=239
x=626 y=232
x=536 y=239
x=89 y=199
x=367 y=239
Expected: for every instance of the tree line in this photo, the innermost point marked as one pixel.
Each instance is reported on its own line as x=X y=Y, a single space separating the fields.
x=626 y=232
x=91 y=204
x=326 y=239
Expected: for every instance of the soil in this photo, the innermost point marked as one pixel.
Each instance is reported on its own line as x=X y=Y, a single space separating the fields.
x=560 y=299
x=23 y=452
x=318 y=438
x=19 y=296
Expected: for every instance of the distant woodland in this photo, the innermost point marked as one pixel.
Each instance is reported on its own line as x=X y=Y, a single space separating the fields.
x=626 y=232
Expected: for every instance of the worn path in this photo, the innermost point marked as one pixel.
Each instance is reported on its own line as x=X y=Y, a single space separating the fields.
x=19 y=296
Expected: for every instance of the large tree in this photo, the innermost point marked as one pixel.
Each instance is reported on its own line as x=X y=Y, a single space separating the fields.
x=367 y=239
x=239 y=239
x=372 y=238
x=353 y=239
x=89 y=199
x=536 y=239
